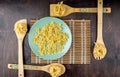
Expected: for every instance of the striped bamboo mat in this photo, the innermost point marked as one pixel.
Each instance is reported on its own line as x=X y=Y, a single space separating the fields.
x=79 y=53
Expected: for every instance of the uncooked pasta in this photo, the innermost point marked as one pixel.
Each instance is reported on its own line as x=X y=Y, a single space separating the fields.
x=21 y=28
x=55 y=70
x=99 y=50
x=50 y=39
x=59 y=9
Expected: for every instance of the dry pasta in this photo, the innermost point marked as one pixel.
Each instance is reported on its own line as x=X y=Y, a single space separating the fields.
x=21 y=28
x=55 y=71
x=59 y=9
x=99 y=50
x=50 y=39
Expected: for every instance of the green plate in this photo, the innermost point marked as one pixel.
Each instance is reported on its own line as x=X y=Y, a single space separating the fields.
x=41 y=23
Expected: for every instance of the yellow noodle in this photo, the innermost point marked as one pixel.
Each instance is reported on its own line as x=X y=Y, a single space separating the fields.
x=21 y=28
x=59 y=9
x=99 y=50
x=55 y=71
x=50 y=39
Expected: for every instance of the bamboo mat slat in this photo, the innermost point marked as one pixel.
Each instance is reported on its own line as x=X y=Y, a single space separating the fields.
x=79 y=53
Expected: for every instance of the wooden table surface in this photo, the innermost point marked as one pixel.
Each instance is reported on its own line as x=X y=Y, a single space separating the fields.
x=13 y=10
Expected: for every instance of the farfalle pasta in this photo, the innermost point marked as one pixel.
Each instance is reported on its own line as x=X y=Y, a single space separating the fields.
x=59 y=9
x=50 y=39
x=21 y=28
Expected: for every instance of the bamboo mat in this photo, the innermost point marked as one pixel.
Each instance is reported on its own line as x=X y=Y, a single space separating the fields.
x=79 y=53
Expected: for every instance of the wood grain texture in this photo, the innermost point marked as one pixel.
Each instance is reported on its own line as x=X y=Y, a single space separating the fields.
x=13 y=10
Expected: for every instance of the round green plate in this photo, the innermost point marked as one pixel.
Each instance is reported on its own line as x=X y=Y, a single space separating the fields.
x=41 y=23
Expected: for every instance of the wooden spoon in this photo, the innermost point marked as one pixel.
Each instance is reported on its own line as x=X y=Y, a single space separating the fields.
x=47 y=68
x=99 y=49
x=20 y=29
x=69 y=10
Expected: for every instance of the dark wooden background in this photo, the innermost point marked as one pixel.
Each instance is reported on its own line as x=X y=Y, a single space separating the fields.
x=13 y=10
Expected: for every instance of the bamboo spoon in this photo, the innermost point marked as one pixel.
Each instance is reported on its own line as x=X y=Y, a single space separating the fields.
x=20 y=29
x=99 y=49
x=48 y=68
x=68 y=10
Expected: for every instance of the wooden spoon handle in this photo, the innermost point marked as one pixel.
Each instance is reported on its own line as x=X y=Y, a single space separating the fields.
x=26 y=67
x=30 y=67
x=20 y=59
x=100 y=21
x=92 y=10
